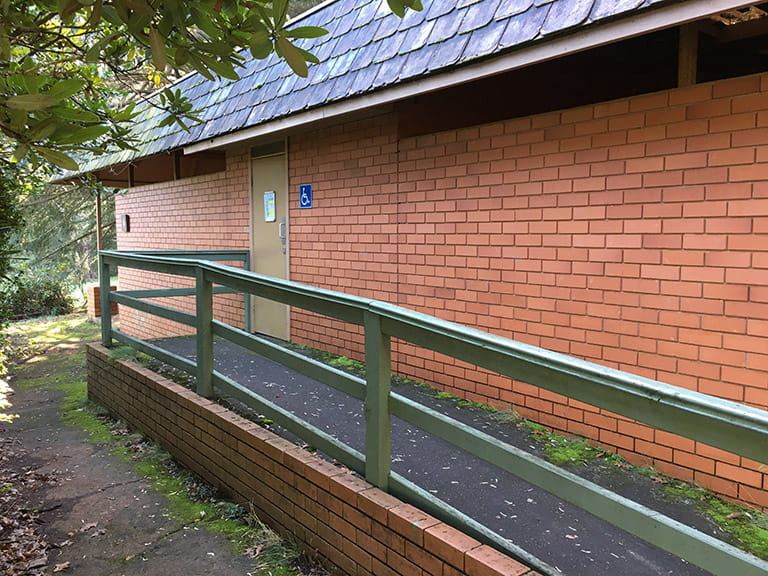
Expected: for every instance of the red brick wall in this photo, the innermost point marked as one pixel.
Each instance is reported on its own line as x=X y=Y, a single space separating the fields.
x=632 y=233
x=355 y=528
x=200 y=213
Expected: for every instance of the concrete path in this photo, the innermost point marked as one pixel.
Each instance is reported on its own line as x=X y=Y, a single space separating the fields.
x=100 y=516
x=562 y=535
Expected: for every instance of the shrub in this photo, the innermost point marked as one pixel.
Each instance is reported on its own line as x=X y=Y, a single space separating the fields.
x=30 y=294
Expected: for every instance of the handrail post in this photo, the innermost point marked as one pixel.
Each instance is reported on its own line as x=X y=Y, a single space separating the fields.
x=378 y=366
x=204 y=327
x=247 y=295
x=104 y=304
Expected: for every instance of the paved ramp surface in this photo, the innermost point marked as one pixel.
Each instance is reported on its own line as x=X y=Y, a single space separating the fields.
x=564 y=536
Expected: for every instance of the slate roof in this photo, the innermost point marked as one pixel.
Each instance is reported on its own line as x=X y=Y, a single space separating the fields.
x=367 y=49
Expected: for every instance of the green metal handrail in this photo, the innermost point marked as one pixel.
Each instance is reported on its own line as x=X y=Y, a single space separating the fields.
x=243 y=256
x=727 y=425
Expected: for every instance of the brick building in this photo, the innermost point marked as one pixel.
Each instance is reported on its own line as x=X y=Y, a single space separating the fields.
x=588 y=177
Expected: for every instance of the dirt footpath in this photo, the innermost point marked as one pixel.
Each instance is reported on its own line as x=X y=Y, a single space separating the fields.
x=98 y=516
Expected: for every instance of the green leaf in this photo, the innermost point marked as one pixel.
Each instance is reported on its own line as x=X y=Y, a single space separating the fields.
x=309 y=57
x=31 y=102
x=141 y=6
x=219 y=48
x=230 y=8
x=261 y=45
x=198 y=65
x=305 y=32
x=202 y=17
x=56 y=157
x=67 y=8
x=32 y=83
x=96 y=13
x=159 y=55
x=80 y=135
x=292 y=56
x=137 y=22
x=279 y=12
x=397 y=7
x=19 y=153
x=43 y=129
x=181 y=57
x=127 y=113
x=5 y=45
x=111 y=15
x=94 y=52
x=18 y=119
x=76 y=115
x=63 y=89
x=223 y=68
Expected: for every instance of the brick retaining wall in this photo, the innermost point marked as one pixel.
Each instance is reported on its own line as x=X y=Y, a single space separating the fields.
x=327 y=509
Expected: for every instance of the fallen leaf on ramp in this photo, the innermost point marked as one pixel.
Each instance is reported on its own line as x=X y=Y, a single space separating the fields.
x=61 y=567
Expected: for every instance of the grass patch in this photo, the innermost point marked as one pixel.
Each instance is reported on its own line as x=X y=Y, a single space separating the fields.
x=60 y=330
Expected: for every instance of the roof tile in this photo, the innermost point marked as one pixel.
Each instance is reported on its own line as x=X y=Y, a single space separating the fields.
x=416 y=37
x=449 y=52
x=566 y=14
x=365 y=15
x=437 y=9
x=412 y=18
x=524 y=27
x=607 y=8
x=363 y=58
x=416 y=64
x=387 y=49
x=484 y=41
x=387 y=26
x=389 y=71
x=478 y=16
x=512 y=7
x=446 y=26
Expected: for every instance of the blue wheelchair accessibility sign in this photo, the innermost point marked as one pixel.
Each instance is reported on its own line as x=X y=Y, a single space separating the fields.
x=305 y=196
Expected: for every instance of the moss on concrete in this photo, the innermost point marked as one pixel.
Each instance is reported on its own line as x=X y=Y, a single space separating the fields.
x=747 y=527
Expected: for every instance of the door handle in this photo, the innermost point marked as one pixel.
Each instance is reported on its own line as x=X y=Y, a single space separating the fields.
x=281 y=232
